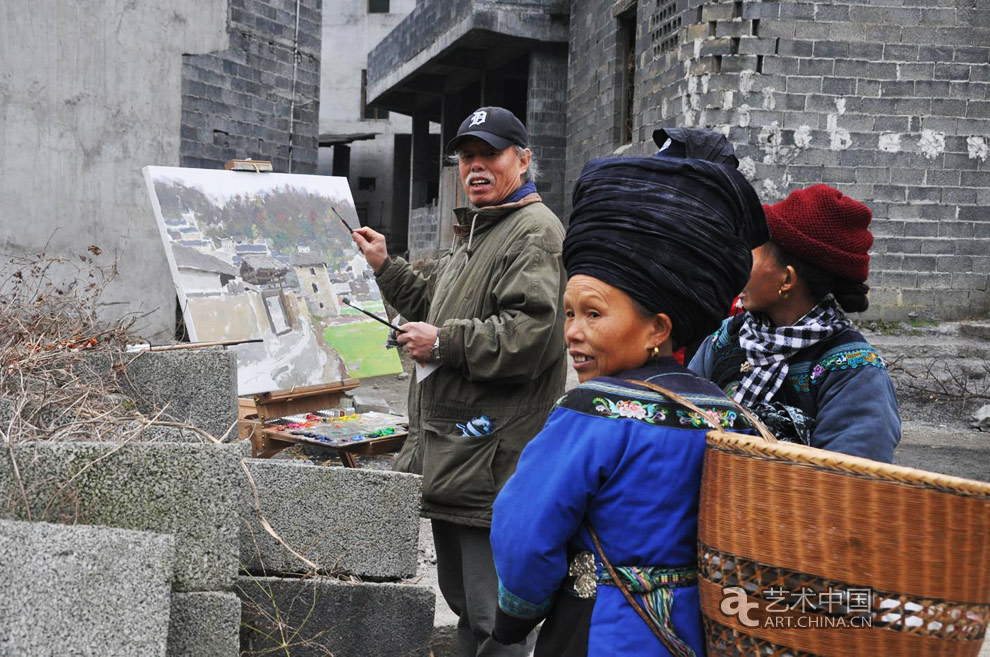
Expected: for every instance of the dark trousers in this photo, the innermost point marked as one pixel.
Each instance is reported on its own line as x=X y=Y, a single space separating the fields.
x=466 y=574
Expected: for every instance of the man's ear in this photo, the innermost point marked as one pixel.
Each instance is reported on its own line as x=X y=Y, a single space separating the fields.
x=525 y=158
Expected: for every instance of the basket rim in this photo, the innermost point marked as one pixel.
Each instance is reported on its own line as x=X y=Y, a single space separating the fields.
x=844 y=463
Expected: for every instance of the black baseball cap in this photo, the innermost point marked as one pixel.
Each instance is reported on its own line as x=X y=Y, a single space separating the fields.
x=495 y=125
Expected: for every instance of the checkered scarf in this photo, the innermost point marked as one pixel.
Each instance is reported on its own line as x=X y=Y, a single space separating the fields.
x=768 y=347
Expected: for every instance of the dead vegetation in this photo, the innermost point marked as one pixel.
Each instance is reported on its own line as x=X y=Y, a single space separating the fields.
x=62 y=367
x=938 y=379
x=940 y=390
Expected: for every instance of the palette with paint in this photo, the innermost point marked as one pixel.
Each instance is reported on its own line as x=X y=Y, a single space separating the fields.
x=348 y=433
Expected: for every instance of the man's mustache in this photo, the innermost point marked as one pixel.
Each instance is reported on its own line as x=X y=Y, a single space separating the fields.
x=480 y=176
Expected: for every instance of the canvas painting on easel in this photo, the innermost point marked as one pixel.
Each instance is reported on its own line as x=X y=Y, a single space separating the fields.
x=263 y=256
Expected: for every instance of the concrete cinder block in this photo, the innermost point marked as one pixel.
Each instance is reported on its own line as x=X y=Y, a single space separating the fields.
x=195 y=386
x=83 y=590
x=187 y=490
x=204 y=624
x=364 y=522
x=350 y=620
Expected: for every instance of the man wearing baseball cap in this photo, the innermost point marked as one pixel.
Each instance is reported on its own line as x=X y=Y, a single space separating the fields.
x=491 y=318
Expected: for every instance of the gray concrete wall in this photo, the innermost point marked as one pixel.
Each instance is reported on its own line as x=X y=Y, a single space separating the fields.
x=889 y=104
x=90 y=93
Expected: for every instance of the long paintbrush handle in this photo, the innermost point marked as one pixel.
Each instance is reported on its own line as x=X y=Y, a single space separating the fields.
x=374 y=317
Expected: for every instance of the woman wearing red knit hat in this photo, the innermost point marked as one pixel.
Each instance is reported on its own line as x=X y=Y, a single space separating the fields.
x=793 y=357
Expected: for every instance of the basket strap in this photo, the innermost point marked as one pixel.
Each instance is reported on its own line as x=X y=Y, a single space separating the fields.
x=660 y=632
x=708 y=415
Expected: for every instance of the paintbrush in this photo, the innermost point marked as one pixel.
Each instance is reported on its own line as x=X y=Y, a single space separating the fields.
x=372 y=316
x=346 y=225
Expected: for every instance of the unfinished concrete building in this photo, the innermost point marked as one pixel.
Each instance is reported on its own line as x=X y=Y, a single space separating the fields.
x=448 y=58
x=888 y=103
x=90 y=94
x=260 y=97
x=359 y=141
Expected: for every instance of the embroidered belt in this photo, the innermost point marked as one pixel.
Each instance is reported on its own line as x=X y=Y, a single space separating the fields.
x=653 y=585
x=583 y=577
x=650 y=578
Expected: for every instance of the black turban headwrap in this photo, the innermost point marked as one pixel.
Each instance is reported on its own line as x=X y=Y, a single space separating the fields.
x=674 y=234
x=698 y=144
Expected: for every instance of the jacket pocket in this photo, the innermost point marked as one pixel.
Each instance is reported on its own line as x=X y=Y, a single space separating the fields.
x=457 y=470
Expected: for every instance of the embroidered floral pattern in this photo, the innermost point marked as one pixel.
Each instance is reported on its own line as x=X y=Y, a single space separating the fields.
x=847 y=360
x=630 y=408
x=801 y=382
x=725 y=418
x=615 y=402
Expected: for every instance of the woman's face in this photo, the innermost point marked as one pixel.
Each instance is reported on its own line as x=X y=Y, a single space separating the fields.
x=761 y=292
x=605 y=332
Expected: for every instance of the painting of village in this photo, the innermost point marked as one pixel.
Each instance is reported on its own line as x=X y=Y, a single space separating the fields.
x=265 y=256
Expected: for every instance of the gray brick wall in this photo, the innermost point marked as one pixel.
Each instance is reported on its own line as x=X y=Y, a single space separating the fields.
x=546 y=120
x=424 y=233
x=237 y=103
x=890 y=104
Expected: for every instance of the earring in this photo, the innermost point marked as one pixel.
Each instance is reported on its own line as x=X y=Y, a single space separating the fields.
x=782 y=294
x=656 y=351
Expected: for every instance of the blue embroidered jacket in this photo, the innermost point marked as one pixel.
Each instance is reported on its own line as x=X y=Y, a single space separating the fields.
x=842 y=383
x=629 y=460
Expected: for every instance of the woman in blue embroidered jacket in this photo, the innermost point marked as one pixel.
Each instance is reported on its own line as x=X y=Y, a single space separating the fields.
x=793 y=357
x=614 y=455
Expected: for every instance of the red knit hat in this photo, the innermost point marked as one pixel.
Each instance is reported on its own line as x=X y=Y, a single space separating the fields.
x=824 y=228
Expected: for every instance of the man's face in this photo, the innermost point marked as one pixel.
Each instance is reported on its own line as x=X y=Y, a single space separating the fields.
x=490 y=175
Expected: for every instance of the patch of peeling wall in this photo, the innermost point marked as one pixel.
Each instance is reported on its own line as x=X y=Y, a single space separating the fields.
x=889 y=104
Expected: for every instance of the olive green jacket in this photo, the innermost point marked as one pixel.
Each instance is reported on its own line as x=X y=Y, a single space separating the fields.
x=496 y=297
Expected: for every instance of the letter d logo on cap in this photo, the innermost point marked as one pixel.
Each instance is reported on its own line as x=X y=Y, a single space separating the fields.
x=478 y=118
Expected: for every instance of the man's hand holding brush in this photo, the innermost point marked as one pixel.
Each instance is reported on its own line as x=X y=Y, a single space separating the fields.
x=372 y=245
x=418 y=339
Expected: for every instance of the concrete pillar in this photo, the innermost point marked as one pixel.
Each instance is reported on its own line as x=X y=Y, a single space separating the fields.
x=425 y=165
x=546 y=120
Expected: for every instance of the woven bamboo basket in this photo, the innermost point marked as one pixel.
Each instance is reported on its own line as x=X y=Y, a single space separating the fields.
x=838 y=556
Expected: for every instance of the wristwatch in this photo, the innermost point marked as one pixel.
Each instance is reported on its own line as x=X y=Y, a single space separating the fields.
x=435 y=351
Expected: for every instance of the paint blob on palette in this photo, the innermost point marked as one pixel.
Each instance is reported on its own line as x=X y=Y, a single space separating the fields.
x=264 y=256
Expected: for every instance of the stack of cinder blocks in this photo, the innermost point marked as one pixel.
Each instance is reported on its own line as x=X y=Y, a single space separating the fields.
x=136 y=548
x=360 y=522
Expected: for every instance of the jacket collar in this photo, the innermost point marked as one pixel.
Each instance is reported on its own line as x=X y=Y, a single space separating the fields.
x=487 y=216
